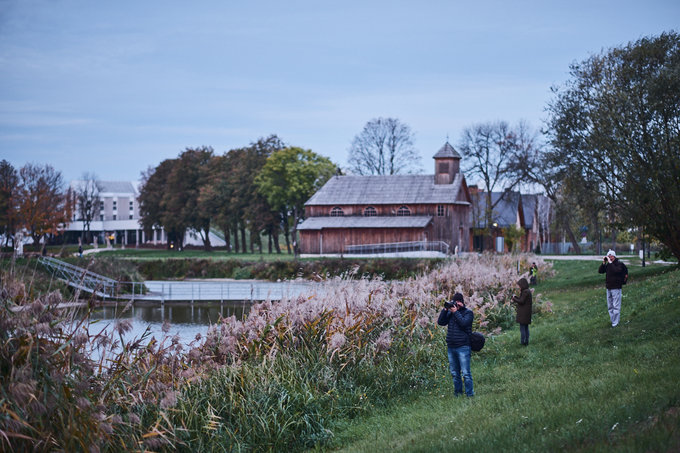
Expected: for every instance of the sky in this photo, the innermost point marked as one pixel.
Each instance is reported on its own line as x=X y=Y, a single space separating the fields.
x=113 y=88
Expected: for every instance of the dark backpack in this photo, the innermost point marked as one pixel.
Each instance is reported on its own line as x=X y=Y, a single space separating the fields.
x=477 y=341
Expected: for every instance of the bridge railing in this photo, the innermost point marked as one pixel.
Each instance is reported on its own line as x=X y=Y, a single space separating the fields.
x=398 y=247
x=81 y=278
x=162 y=291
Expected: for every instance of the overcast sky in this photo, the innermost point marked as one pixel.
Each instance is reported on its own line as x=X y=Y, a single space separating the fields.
x=115 y=87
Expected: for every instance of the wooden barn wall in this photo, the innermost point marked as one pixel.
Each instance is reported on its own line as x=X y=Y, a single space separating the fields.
x=334 y=240
x=452 y=228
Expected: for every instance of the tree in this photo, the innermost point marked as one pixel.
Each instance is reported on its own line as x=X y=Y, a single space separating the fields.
x=181 y=198
x=232 y=197
x=384 y=147
x=170 y=196
x=500 y=156
x=617 y=120
x=215 y=195
x=260 y=213
x=513 y=237
x=43 y=205
x=9 y=180
x=151 y=193
x=290 y=177
x=87 y=201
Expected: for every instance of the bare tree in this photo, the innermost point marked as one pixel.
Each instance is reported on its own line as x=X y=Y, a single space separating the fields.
x=87 y=201
x=384 y=147
x=500 y=155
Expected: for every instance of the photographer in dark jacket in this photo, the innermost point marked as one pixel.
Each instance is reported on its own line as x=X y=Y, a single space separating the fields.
x=459 y=321
x=523 y=305
x=616 y=276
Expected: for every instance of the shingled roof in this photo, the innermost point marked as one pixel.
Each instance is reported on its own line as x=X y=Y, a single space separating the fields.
x=505 y=211
x=529 y=207
x=106 y=187
x=447 y=151
x=320 y=223
x=393 y=189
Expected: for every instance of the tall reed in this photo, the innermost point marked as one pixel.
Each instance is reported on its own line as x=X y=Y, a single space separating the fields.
x=277 y=380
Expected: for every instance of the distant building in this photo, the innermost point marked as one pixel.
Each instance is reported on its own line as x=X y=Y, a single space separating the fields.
x=362 y=210
x=117 y=216
x=118 y=219
x=507 y=210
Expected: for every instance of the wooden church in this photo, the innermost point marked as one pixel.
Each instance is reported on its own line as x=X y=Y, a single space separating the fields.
x=370 y=210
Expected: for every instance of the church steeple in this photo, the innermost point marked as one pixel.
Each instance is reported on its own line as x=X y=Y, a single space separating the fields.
x=446 y=164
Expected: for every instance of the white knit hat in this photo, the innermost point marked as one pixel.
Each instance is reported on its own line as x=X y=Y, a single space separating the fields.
x=612 y=253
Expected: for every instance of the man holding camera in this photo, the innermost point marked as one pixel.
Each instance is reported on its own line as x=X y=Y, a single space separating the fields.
x=616 y=276
x=459 y=321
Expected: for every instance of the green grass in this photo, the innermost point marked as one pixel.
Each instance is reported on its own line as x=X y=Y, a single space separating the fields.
x=579 y=386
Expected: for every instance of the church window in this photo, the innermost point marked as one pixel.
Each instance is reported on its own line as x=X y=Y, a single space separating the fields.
x=370 y=212
x=403 y=211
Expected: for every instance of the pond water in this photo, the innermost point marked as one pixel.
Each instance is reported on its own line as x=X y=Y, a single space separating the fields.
x=185 y=319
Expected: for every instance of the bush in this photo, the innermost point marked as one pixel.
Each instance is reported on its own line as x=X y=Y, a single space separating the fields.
x=387 y=269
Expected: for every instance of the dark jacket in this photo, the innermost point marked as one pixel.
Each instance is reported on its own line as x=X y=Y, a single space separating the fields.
x=460 y=326
x=617 y=273
x=523 y=302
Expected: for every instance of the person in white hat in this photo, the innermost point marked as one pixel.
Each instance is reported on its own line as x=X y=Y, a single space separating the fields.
x=616 y=276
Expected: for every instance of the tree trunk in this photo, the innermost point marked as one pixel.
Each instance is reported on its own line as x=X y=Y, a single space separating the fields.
x=244 y=246
x=206 y=241
x=295 y=224
x=572 y=237
x=227 y=239
x=286 y=234
x=269 y=241
x=598 y=234
x=276 y=242
x=235 y=237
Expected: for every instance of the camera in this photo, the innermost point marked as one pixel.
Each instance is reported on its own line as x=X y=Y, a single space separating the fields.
x=448 y=304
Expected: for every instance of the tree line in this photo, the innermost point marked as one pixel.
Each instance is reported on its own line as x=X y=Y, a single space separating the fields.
x=260 y=189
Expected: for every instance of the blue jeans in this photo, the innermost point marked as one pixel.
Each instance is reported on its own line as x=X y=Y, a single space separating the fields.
x=459 y=365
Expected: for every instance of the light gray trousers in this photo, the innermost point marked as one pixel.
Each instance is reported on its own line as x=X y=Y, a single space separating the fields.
x=614 y=305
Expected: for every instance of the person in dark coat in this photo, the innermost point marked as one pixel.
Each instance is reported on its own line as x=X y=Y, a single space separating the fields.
x=616 y=276
x=459 y=319
x=523 y=305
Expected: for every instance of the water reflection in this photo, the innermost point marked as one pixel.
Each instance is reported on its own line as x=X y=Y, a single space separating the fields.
x=185 y=319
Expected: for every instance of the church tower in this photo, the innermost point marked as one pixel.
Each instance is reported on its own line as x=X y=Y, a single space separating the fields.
x=446 y=164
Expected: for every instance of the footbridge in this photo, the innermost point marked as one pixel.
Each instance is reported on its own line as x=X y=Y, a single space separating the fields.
x=163 y=291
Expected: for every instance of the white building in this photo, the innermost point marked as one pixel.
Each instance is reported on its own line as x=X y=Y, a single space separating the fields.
x=118 y=218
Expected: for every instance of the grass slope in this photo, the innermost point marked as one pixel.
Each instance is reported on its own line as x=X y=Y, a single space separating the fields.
x=579 y=386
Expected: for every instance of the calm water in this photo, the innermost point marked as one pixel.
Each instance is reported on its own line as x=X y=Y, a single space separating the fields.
x=186 y=319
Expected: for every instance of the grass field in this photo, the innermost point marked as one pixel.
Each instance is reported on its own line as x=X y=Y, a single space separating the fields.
x=580 y=385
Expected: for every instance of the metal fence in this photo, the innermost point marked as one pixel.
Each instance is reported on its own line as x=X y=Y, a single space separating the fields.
x=161 y=291
x=398 y=247
x=226 y=290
